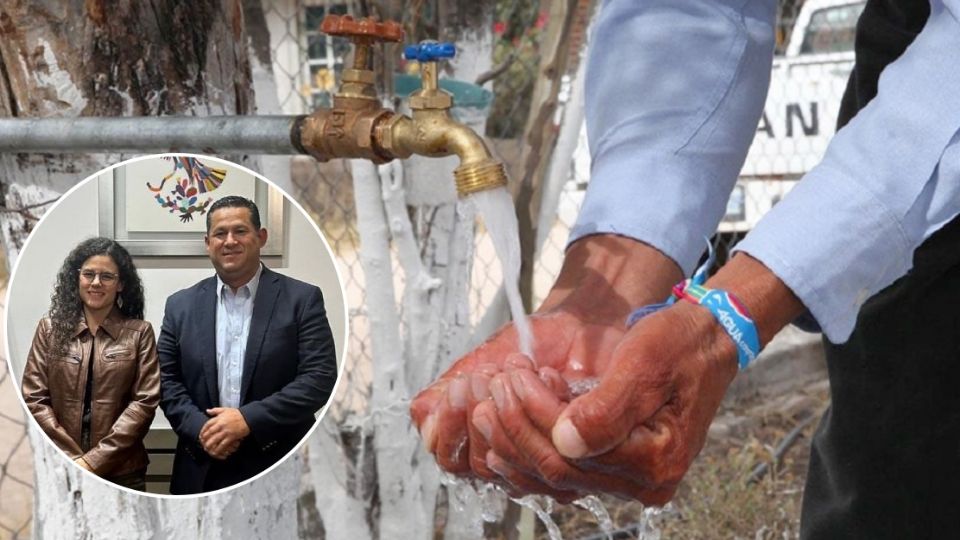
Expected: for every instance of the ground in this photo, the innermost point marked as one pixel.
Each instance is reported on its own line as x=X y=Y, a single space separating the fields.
x=717 y=499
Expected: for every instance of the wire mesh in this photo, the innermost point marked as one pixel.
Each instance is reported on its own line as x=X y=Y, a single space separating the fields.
x=16 y=458
x=305 y=66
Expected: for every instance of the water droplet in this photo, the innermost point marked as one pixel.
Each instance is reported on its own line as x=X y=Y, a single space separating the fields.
x=582 y=386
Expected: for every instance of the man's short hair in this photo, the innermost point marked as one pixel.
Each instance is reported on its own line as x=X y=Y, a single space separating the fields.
x=235 y=201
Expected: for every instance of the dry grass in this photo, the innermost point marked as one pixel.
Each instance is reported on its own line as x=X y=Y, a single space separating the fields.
x=716 y=500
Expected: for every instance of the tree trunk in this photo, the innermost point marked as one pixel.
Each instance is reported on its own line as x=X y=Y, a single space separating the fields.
x=561 y=160
x=435 y=258
x=124 y=58
x=560 y=49
x=405 y=502
x=340 y=505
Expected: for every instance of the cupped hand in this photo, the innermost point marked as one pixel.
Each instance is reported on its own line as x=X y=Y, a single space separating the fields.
x=442 y=410
x=575 y=333
x=648 y=418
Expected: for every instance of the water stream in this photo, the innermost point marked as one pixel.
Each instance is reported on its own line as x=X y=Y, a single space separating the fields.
x=595 y=506
x=500 y=218
x=496 y=208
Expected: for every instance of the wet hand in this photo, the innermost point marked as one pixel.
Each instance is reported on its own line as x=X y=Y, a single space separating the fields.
x=648 y=418
x=575 y=333
x=442 y=411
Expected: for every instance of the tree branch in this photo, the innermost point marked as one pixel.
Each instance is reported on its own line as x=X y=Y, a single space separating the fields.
x=488 y=76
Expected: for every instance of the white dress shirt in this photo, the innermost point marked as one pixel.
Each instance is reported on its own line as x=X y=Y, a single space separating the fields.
x=674 y=92
x=234 y=312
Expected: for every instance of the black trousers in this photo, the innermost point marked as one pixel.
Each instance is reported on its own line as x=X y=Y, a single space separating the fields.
x=885 y=461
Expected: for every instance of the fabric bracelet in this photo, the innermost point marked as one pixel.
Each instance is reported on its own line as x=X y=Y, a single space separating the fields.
x=731 y=315
x=729 y=312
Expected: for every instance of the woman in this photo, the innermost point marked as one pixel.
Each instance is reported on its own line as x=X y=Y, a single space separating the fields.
x=92 y=379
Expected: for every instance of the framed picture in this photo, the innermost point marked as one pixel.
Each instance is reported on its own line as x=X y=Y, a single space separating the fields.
x=158 y=206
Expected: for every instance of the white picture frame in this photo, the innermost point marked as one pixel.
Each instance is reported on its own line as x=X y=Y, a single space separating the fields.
x=158 y=231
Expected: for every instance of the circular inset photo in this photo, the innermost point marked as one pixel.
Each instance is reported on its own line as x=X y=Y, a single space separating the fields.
x=176 y=324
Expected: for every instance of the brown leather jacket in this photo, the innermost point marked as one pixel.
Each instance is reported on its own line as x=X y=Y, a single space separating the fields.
x=126 y=391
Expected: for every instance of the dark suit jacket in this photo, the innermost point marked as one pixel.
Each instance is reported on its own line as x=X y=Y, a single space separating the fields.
x=289 y=370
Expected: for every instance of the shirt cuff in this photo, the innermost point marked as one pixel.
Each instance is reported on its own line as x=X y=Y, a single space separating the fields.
x=668 y=202
x=831 y=262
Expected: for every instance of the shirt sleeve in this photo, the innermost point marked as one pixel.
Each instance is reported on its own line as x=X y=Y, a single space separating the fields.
x=674 y=91
x=888 y=180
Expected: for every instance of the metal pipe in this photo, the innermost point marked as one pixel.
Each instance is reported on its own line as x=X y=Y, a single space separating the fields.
x=201 y=134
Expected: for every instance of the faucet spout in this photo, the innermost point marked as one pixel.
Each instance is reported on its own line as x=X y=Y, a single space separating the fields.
x=434 y=133
x=357 y=126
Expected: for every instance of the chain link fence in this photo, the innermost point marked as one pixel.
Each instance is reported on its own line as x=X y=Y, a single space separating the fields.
x=797 y=122
x=306 y=68
x=810 y=72
x=16 y=458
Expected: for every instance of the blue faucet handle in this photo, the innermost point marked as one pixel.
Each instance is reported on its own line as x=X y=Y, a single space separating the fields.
x=429 y=51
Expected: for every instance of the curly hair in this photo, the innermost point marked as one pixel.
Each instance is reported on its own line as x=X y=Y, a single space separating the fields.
x=66 y=307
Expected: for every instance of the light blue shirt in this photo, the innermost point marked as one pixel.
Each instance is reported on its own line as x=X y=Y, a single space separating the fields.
x=674 y=93
x=234 y=312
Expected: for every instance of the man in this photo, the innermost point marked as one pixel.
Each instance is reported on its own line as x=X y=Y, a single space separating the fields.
x=867 y=247
x=246 y=359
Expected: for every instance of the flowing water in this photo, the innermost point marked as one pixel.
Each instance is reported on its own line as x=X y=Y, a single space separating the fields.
x=542 y=507
x=496 y=208
x=595 y=506
x=500 y=218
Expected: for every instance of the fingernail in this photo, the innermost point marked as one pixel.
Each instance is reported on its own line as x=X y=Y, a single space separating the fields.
x=480 y=386
x=483 y=425
x=426 y=431
x=519 y=387
x=457 y=393
x=496 y=465
x=499 y=392
x=519 y=360
x=568 y=440
x=487 y=369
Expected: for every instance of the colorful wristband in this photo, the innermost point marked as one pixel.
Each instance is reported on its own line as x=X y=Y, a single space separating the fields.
x=729 y=312
x=731 y=315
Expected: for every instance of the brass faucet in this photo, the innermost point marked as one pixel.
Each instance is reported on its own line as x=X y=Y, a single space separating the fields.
x=357 y=126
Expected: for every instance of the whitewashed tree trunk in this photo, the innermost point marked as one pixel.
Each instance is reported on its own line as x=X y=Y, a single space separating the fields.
x=404 y=499
x=435 y=258
x=67 y=506
x=343 y=514
x=561 y=160
x=128 y=58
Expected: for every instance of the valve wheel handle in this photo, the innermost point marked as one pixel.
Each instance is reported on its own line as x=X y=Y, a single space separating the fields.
x=370 y=28
x=429 y=51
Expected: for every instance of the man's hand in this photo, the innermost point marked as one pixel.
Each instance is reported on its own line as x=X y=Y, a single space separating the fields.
x=647 y=419
x=575 y=332
x=222 y=434
x=83 y=464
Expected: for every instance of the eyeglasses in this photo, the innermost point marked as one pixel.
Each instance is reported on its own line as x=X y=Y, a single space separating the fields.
x=106 y=278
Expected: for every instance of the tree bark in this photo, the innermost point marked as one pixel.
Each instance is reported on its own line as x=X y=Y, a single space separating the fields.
x=406 y=503
x=561 y=160
x=560 y=46
x=124 y=58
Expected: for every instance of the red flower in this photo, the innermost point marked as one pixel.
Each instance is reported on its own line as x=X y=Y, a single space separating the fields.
x=541 y=20
x=499 y=28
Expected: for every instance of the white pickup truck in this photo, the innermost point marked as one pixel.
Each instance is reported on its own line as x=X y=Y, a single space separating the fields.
x=799 y=118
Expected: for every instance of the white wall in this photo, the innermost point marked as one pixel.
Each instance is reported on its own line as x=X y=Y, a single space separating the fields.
x=76 y=217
